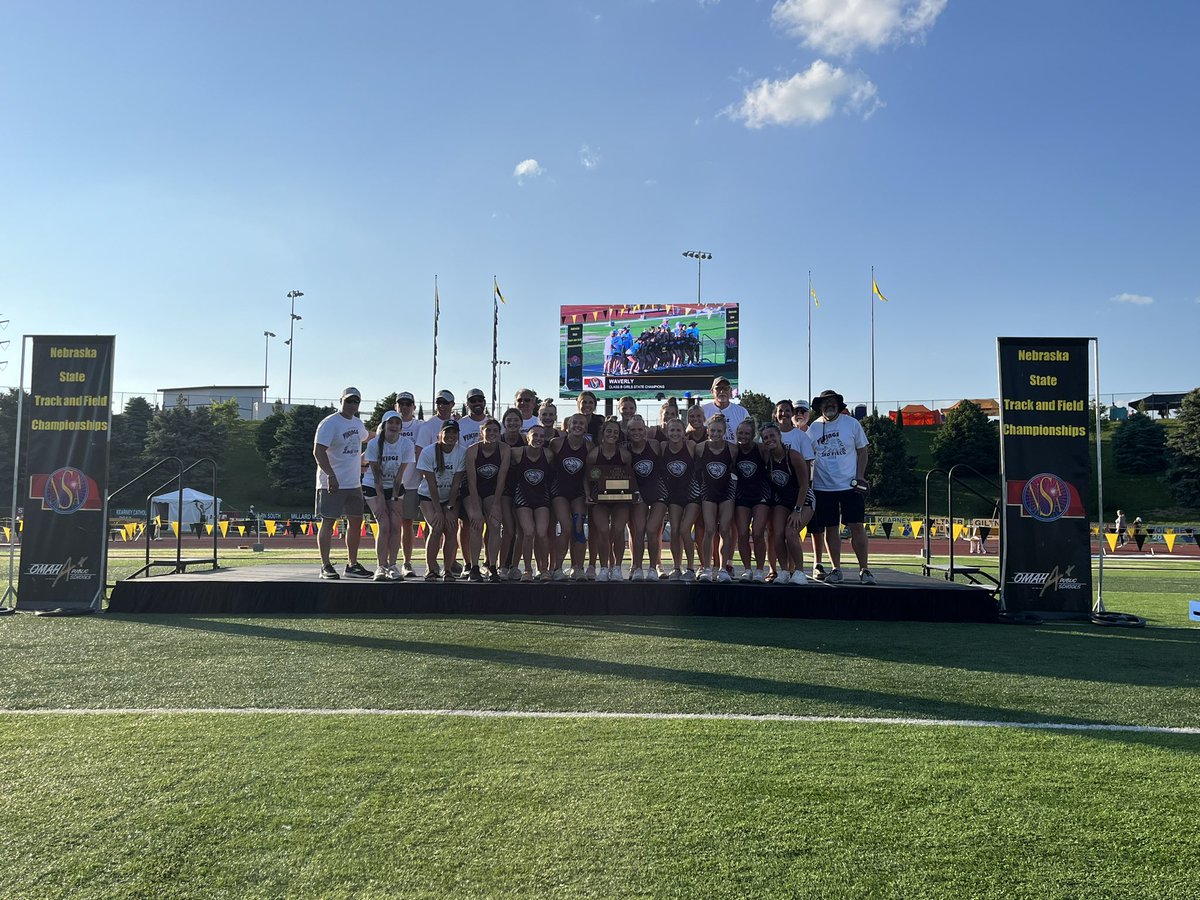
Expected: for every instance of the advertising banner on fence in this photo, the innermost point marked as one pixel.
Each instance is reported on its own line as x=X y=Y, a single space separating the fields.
x=1047 y=473
x=63 y=541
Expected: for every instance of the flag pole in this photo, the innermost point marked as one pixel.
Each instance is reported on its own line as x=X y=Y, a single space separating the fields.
x=872 y=296
x=436 y=313
x=809 y=302
x=495 y=339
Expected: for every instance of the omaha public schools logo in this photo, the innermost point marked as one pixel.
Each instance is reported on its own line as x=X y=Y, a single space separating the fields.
x=1046 y=497
x=572 y=464
x=1054 y=580
x=534 y=476
x=716 y=469
x=643 y=467
x=677 y=467
x=488 y=470
x=63 y=571
x=66 y=491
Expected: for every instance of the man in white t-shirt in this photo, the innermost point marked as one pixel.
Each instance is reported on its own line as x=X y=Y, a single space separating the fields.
x=526 y=402
x=428 y=434
x=337 y=448
x=471 y=424
x=410 y=509
x=840 y=486
x=722 y=403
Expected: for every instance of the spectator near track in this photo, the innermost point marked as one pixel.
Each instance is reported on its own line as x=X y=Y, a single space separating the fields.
x=337 y=448
x=410 y=504
x=722 y=403
x=840 y=486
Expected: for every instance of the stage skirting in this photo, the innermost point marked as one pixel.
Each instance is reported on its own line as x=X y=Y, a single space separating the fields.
x=297 y=590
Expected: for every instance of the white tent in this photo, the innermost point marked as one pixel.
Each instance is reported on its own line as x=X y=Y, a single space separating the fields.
x=197 y=507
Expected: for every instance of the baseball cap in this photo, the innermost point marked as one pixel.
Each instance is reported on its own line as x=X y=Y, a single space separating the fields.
x=406 y=395
x=351 y=392
x=802 y=406
x=446 y=396
x=720 y=379
x=389 y=415
x=475 y=392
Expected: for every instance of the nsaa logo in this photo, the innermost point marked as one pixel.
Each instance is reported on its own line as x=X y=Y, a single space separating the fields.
x=1046 y=497
x=66 y=491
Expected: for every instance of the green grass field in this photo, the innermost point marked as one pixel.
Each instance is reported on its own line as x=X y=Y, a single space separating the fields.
x=303 y=797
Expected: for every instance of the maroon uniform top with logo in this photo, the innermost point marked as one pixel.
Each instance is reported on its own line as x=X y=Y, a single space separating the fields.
x=678 y=474
x=752 y=484
x=569 y=466
x=487 y=471
x=532 y=480
x=716 y=474
x=648 y=469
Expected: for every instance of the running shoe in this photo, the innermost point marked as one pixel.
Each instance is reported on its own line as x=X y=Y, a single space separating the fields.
x=799 y=577
x=637 y=575
x=590 y=574
x=783 y=576
x=834 y=577
x=660 y=574
x=747 y=576
x=759 y=576
x=503 y=573
x=494 y=576
x=381 y=574
x=526 y=577
x=705 y=576
x=688 y=575
x=329 y=572
x=433 y=574
x=865 y=577
x=457 y=568
x=357 y=571
x=602 y=575
x=514 y=574
x=559 y=575
x=406 y=571
x=449 y=576
x=394 y=573
x=578 y=575
x=675 y=575
x=724 y=577
x=616 y=573
x=819 y=572
x=475 y=576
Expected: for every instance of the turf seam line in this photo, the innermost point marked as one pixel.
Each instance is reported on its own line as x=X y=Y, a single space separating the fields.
x=645 y=716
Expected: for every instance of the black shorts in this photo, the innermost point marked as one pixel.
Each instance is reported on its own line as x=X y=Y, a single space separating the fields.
x=848 y=507
x=388 y=493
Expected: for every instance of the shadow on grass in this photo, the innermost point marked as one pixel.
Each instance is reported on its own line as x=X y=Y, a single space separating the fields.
x=858 y=701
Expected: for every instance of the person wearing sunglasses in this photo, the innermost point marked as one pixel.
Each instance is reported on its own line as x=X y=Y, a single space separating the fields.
x=526 y=401
x=470 y=425
x=410 y=508
x=337 y=448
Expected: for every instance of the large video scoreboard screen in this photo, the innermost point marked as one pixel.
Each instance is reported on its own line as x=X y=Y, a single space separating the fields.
x=646 y=349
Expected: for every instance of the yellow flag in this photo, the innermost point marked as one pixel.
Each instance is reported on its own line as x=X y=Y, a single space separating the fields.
x=375 y=530
x=873 y=528
x=813 y=293
x=8 y=535
x=270 y=524
x=496 y=288
x=175 y=528
x=804 y=533
x=208 y=528
x=1111 y=537
x=224 y=527
x=917 y=525
x=1169 y=537
x=878 y=293
x=241 y=530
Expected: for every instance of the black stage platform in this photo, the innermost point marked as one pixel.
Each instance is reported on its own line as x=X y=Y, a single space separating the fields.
x=297 y=590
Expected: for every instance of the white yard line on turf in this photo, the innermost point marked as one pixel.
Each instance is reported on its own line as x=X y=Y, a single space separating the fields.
x=650 y=716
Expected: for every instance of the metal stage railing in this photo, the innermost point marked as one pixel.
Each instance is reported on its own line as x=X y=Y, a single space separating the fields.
x=973 y=574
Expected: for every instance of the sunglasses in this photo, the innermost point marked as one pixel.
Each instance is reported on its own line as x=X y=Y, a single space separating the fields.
x=445 y=403
x=353 y=399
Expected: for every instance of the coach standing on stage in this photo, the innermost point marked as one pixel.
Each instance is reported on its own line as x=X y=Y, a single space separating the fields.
x=722 y=403
x=840 y=486
x=337 y=448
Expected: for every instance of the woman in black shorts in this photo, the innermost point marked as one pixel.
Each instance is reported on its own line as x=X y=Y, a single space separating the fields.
x=608 y=518
x=567 y=500
x=647 y=513
x=714 y=471
x=510 y=436
x=678 y=463
x=487 y=469
x=532 y=468
x=752 y=501
x=792 y=506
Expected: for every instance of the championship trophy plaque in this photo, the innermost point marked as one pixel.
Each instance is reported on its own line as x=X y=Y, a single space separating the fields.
x=612 y=486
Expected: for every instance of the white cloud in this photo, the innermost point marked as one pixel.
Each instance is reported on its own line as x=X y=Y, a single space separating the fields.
x=807 y=97
x=1135 y=299
x=527 y=168
x=588 y=158
x=840 y=27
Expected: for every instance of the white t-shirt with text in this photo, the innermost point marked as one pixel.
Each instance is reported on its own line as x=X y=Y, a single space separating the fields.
x=344 y=439
x=836 y=444
x=454 y=462
x=392 y=456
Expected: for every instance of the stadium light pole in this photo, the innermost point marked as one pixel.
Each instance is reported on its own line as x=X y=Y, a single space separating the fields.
x=699 y=256
x=500 y=376
x=291 y=341
x=267 y=335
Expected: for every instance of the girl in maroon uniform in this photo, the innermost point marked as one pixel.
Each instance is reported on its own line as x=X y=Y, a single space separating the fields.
x=487 y=469
x=609 y=518
x=531 y=468
x=567 y=495
x=792 y=506
x=677 y=459
x=752 y=501
x=647 y=514
x=714 y=471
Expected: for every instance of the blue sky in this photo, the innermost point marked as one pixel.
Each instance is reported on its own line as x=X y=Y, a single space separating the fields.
x=171 y=171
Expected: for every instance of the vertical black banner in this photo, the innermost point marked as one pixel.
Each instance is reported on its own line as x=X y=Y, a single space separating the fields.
x=64 y=537
x=1047 y=473
x=732 y=342
x=574 y=380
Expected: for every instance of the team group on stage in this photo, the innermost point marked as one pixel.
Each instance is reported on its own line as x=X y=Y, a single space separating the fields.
x=539 y=500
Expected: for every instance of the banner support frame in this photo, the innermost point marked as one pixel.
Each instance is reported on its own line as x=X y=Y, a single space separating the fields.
x=12 y=542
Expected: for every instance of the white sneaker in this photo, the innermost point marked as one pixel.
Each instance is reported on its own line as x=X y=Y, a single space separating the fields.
x=660 y=574
x=675 y=575
x=406 y=571
x=688 y=575
x=394 y=573
x=783 y=576
x=747 y=575
x=616 y=574
x=514 y=574
x=602 y=575
x=590 y=574
x=799 y=577
x=381 y=574
x=503 y=573
x=724 y=577
x=637 y=575
x=705 y=576
x=760 y=576
x=559 y=575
